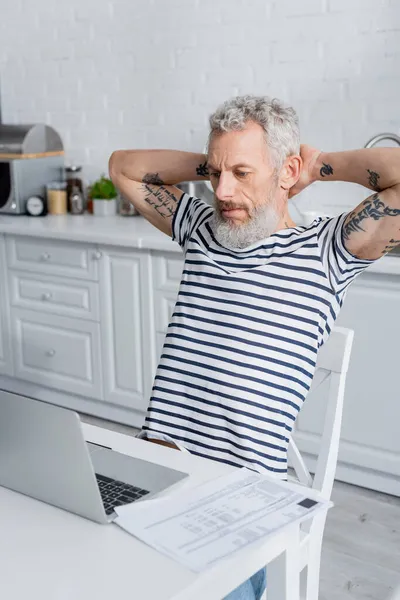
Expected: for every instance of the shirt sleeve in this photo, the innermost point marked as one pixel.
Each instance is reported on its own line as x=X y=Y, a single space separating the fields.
x=190 y=213
x=340 y=265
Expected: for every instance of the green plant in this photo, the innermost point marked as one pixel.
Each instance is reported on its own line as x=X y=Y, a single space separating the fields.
x=103 y=189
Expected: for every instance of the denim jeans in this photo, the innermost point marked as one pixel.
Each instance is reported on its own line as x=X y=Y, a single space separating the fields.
x=252 y=589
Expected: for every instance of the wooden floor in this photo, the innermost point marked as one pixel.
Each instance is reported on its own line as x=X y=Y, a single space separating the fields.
x=361 y=549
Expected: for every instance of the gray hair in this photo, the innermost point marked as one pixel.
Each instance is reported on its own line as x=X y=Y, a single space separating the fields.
x=280 y=123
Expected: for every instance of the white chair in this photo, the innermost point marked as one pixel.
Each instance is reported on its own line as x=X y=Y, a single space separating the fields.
x=332 y=365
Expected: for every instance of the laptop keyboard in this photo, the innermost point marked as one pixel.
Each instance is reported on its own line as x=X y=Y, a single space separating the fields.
x=117 y=493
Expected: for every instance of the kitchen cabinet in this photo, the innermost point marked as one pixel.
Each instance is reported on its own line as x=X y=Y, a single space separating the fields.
x=6 y=367
x=369 y=453
x=58 y=352
x=128 y=340
x=85 y=305
x=167 y=271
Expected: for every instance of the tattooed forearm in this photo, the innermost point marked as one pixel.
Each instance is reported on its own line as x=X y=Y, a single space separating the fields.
x=153 y=178
x=202 y=169
x=373 y=180
x=374 y=208
x=161 y=199
x=325 y=170
x=391 y=246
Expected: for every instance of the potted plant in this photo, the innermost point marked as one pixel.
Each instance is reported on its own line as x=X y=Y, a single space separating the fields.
x=104 y=197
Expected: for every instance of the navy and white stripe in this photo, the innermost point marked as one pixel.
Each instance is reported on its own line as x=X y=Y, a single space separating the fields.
x=241 y=348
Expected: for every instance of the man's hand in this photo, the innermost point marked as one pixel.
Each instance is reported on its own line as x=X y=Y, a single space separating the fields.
x=309 y=157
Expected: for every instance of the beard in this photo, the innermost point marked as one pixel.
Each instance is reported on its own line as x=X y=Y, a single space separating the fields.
x=262 y=223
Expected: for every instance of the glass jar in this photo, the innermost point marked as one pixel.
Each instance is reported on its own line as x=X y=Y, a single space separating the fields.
x=75 y=194
x=126 y=208
x=57 y=197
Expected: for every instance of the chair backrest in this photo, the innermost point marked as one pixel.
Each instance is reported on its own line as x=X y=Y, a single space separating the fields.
x=332 y=365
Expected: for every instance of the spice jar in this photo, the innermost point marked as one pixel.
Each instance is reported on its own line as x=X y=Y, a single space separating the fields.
x=57 y=198
x=75 y=196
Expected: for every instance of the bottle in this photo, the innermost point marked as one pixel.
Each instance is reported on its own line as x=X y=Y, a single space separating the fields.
x=75 y=201
x=75 y=196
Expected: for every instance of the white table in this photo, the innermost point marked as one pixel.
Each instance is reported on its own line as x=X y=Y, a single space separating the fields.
x=49 y=554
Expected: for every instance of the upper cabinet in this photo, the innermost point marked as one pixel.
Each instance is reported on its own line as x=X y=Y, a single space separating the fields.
x=5 y=339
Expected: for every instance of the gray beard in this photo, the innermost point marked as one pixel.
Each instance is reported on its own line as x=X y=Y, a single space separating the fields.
x=262 y=224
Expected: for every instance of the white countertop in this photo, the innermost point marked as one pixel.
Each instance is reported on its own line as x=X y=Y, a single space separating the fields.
x=129 y=232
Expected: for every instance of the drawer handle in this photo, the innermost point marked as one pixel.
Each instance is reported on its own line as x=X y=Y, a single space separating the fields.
x=45 y=256
x=50 y=352
x=46 y=296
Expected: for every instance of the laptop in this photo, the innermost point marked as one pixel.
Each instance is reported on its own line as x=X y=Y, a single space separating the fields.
x=43 y=454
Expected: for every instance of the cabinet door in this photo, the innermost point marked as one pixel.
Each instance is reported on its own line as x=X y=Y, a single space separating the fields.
x=167 y=272
x=57 y=352
x=370 y=443
x=5 y=339
x=127 y=344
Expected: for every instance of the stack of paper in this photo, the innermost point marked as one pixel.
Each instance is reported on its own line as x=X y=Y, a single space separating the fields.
x=207 y=523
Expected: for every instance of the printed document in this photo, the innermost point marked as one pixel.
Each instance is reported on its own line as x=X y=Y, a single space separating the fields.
x=200 y=526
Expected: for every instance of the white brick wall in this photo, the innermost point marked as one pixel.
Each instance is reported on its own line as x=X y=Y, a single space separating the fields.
x=110 y=74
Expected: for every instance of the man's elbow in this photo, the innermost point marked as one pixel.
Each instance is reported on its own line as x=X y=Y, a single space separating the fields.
x=115 y=164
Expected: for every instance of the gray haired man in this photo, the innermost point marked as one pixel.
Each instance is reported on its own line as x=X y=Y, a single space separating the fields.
x=259 y=295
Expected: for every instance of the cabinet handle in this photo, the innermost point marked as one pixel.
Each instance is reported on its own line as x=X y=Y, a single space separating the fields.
x=97 y=255
x=46 y=296
x=50 y=352
x=45 y=256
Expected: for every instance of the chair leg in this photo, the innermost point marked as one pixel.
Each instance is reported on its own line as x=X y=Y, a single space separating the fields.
x=313 y=571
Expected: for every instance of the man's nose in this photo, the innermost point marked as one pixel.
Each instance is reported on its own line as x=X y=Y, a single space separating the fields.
x=226 y=187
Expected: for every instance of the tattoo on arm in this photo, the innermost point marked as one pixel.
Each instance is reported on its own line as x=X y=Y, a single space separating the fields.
x=373 y=180
x=391 y=246
x=374 y=208
x=326 y=170
x=161 y=199
x=202 y=169
x=153 y=178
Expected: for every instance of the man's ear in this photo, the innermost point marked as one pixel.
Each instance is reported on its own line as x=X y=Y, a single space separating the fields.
x=290 y=172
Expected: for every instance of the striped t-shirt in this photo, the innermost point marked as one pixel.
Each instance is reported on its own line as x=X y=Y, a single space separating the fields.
x=240 y=352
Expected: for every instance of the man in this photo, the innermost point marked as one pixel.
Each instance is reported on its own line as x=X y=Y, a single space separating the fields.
x=258 y=295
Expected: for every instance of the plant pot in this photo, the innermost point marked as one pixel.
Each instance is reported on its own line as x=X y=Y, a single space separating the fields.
x=104 y=208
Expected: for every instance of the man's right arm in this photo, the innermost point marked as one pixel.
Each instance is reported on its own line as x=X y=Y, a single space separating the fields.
x=146 y=178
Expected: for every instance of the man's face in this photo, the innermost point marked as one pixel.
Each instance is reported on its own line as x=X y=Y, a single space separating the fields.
x=245 y=187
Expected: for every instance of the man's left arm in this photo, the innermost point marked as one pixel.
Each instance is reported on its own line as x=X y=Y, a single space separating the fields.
x=373 y=228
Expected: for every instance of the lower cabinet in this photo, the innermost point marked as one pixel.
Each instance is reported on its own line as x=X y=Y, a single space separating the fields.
x=167 y=272
x=57 y=352
x=128 y=345
x=91 y=322
x=369 y=453
x=5 y=335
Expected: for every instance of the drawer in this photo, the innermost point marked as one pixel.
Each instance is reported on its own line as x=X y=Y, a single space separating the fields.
x=164 y=304
x=57 y=352
x=66 y=259
x=167 y=272
x=54 y=295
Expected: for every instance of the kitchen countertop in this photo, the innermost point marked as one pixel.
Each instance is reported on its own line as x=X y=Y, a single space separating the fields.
x=131 y=232
x=128 y=232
